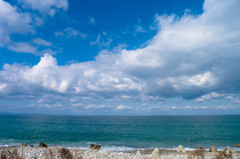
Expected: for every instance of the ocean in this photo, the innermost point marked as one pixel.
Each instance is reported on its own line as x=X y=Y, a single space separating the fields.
x=121 y=132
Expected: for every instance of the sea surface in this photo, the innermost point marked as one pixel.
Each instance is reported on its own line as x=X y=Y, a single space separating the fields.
x=121 y=132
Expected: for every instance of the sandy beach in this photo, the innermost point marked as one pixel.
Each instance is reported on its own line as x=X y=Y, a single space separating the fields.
x=27 y=152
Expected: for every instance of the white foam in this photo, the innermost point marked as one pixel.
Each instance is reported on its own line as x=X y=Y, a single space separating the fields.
x=118 y=148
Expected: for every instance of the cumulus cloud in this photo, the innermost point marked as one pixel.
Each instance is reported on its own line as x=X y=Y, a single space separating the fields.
x=190 y=56
x=45 y=6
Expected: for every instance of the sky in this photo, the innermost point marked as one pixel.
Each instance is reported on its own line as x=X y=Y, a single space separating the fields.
x=120 y=57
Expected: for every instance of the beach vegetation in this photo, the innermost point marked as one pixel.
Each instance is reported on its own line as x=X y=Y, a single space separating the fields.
x=93 y=147
x=10 y=154
x=198 y=153
x=42 y=144
x=3 y=156
x=222 y=155
x=49 y=154
x=65 y=153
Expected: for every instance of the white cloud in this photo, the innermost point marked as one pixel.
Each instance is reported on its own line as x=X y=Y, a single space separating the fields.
x=122 y=107
x=92 y=20
x=140 y=29
x=70 y=33
x=22 y=47
x=45 y=6
x=93 y=106
x=31 y=47
x=219 y=107
x=233 y=98
x=77 y=105
x=126 y=97
x=189 y=57
x=12 y=22
x=212 y=95
x=2 y=86
x=42 y=42
x=102 y=40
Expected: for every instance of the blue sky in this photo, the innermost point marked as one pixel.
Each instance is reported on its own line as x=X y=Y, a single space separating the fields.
x=105 y=57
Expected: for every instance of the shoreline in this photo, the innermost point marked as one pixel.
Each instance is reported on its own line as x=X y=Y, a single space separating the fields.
x=27 y=152
x=124 y=148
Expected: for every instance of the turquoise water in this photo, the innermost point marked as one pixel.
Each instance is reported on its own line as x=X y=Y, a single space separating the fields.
x=121 y=132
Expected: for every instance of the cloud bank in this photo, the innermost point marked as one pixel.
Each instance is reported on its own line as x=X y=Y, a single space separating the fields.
x=190 y=56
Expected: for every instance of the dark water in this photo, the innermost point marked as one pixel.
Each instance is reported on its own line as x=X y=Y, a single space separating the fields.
x=121 y=131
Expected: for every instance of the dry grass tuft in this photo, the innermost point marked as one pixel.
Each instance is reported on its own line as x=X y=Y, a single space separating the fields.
x=49 y=154
x=8 y=154
x=77 y=155
x=219 y=156
x=222 y=155
x=3 y=156
x=197 y=154
x=42 y=144
x=65 y=153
